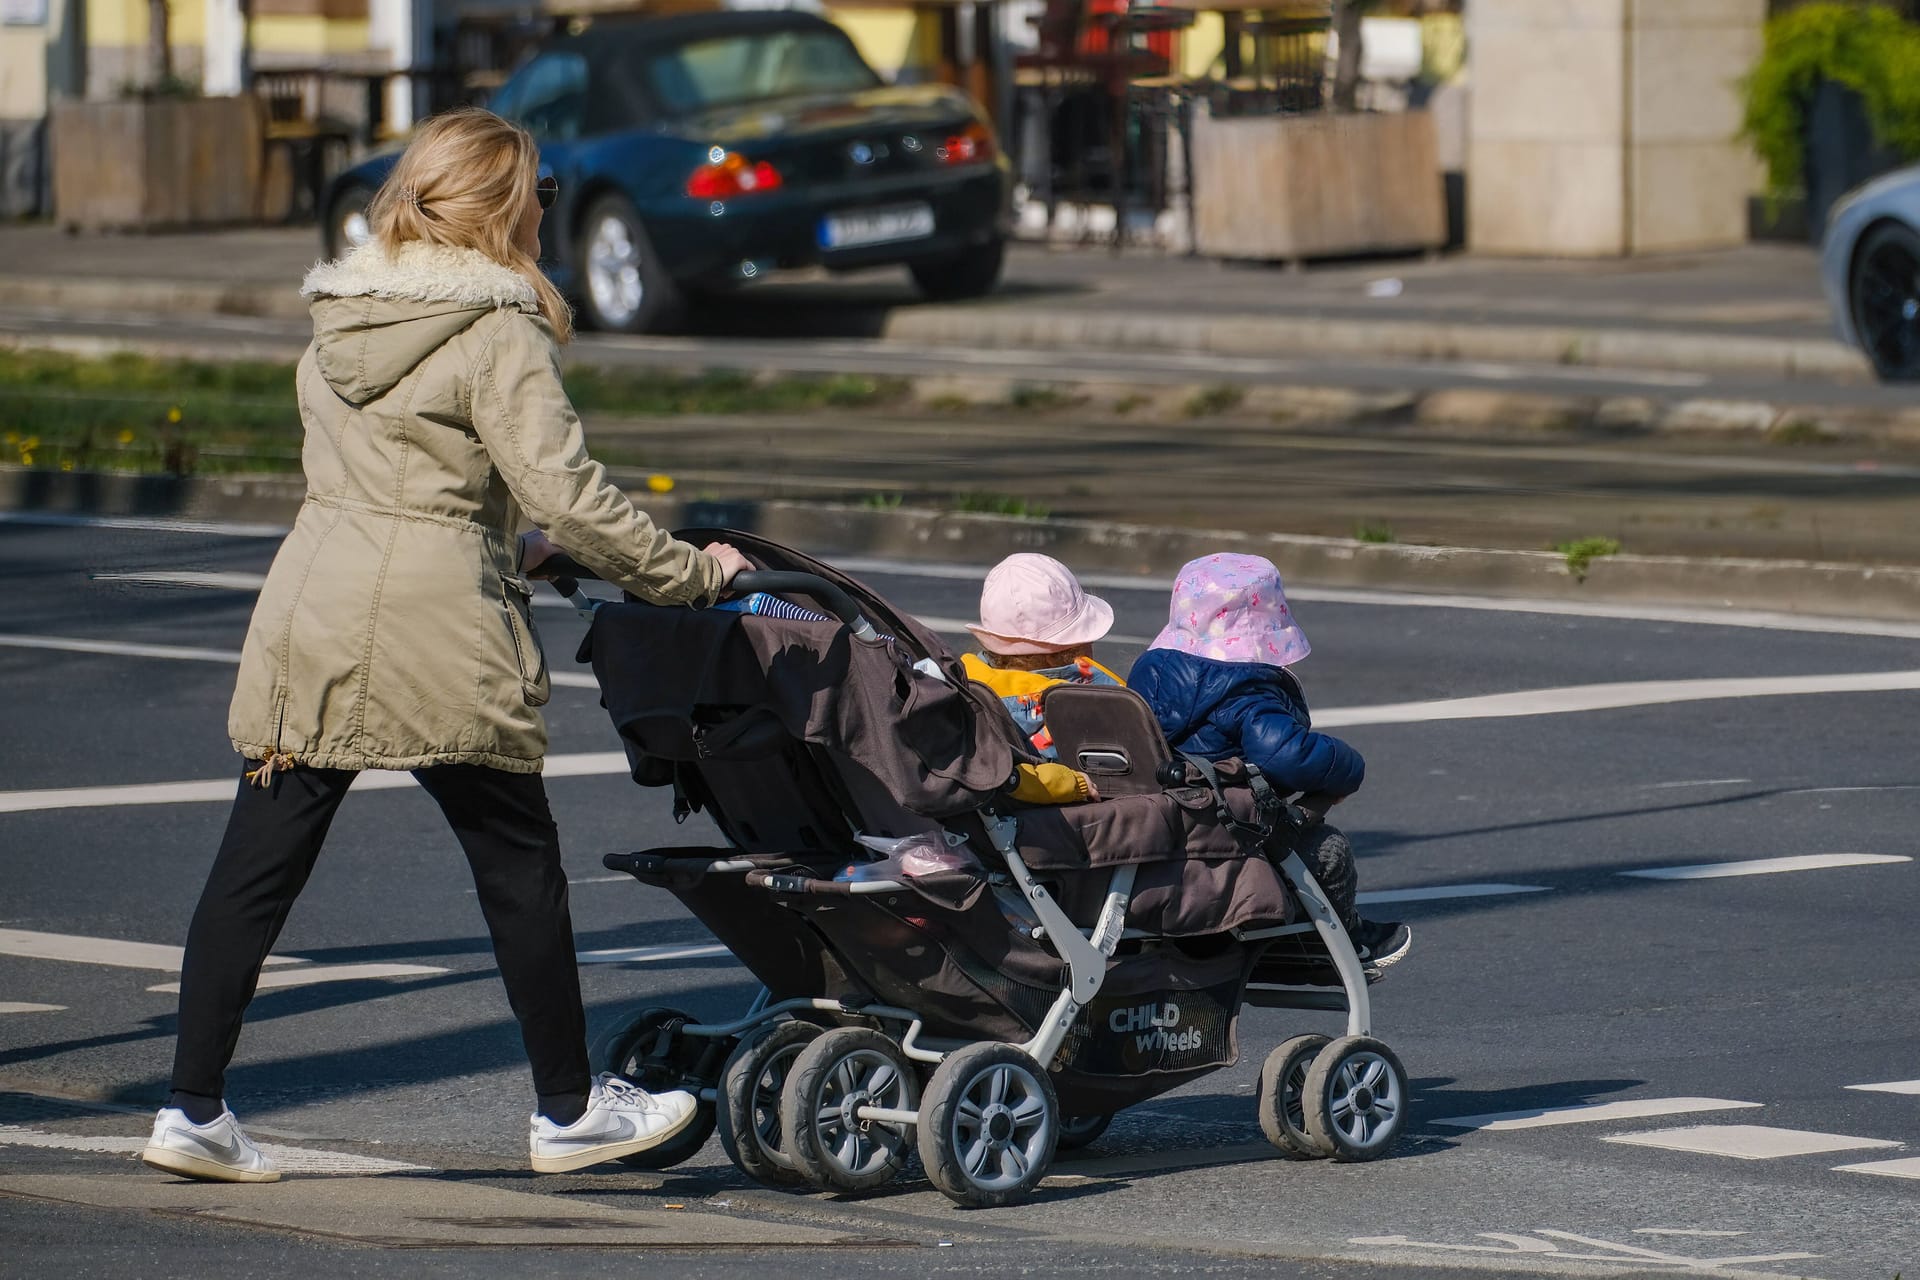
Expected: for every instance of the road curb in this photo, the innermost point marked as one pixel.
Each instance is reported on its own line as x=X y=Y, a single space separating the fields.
x=1881 y=592
x=1026 y=327
x=1493 y=410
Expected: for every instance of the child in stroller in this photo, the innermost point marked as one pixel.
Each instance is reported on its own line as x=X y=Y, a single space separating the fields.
x=908 y=1013
x=1219 y=679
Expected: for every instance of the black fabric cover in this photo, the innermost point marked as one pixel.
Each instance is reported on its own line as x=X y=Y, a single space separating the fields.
x=683 y=684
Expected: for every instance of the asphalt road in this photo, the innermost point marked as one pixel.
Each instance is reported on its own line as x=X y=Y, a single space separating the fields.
x=1556 y=979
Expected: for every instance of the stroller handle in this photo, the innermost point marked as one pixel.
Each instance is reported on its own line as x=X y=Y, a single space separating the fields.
x=564 y=573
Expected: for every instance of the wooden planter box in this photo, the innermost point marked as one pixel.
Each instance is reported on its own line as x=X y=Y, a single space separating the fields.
x=1291 y=187
x=156 y=164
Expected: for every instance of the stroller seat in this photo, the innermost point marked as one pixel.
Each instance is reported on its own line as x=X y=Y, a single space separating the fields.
x=1108 y=733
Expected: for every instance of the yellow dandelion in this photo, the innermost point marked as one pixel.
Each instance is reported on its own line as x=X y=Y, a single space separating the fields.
x=13 y=437
x=173 y=414
x=31 y=442
x=126 y=437
x=26 y=459
x=66 y=464
x=660 y=484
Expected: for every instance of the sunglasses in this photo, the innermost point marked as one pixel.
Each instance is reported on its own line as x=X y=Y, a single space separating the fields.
x=546 y=191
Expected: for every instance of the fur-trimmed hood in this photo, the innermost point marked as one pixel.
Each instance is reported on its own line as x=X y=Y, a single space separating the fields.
x=376 y=316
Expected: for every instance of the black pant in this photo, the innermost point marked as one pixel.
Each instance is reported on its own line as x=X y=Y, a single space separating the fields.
x=272 y=842
x=1330 y=858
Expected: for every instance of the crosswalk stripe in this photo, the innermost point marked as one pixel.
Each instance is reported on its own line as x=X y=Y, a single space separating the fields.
x=1766 y=866
x=289 y=1159
x=107 y=951
x=644 y=955
x=1748 y=1141
x=1908 y=1168
x=1890 y=1086
x=1589 y=1112
x=309 y=975
x=1437 y=892
x=574 y=765
x=188 y=653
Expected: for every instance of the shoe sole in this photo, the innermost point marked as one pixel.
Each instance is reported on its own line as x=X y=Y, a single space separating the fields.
x=1392 y=958
x=202 y=1170
x=613 y=1151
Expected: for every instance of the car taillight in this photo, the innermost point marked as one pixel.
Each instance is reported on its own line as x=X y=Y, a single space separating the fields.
x=969 y=146
x=731 y=174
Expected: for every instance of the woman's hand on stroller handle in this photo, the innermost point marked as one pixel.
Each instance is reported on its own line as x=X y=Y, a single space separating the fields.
x=564 y=573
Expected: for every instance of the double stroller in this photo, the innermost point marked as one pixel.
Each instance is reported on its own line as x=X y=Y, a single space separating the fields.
x=944 y=970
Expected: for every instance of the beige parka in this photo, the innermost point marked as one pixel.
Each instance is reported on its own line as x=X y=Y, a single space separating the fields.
x=393 y=631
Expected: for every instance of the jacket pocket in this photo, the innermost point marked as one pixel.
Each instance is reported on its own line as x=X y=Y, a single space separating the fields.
x=516 y=599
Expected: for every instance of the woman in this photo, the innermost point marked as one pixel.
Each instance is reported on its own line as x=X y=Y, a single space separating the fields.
x=393 y=631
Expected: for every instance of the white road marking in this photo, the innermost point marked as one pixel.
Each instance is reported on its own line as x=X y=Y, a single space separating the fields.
x=1543 y=1242
x=107 y=951
x=574 y=765
x=1751 y=619
x=1615 y=696
x=231 y=657
x=1588 y=1112
x=1437 y=892
x=184 y=578
x=1747 y=1141
x=121 y=648
x=311 y=974
x=15 y=1006
x=1766 y=866
x=1686 y=1231
x=1892 y=1086
x=1700 y=782
x=646 y=955
x=1754 y=619
x=290 y=1159
x=1909 y=1168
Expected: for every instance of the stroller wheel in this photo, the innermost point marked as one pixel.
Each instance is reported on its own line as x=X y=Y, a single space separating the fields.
x=1355 y=1098
x=1282 y=1098
x=988 y=1126
x=1083 y=1131
x=839 y=1072
x=648 y=1049
x=749 y=1102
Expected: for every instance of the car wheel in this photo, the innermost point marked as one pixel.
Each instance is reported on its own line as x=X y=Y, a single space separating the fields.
x=1884 y=291
x=624 y=288
x=346 y=227
x=973 y=274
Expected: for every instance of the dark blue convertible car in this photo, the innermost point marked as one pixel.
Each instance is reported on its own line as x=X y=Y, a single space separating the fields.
x=701 y=151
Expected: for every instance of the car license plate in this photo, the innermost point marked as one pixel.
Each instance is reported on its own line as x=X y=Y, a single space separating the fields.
x=876 y=226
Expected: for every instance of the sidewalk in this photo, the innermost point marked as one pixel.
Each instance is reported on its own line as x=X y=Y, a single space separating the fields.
x=1757 y=309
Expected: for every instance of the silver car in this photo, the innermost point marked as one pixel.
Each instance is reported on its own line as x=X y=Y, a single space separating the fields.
x=1870 y=265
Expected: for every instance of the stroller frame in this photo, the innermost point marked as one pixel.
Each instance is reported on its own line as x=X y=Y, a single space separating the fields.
x=1306 y=1081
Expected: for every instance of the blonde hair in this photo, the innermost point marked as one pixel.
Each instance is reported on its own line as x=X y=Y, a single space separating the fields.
x=462 y=182
x=1036 y=661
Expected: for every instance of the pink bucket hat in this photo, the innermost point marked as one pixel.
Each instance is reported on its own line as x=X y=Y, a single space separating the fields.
x=1032 y=603
x=1232 y=608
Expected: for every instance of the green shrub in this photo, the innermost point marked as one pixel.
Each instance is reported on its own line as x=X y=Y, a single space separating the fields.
x=1865 y=47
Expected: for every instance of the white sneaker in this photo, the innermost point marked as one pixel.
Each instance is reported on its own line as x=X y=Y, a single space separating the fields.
x=621 y=1118
x=219 y=1151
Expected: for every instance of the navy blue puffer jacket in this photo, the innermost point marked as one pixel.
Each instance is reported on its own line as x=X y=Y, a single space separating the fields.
x=1245 y=709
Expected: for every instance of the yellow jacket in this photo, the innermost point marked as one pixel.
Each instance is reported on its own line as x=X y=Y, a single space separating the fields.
x=1021 y=690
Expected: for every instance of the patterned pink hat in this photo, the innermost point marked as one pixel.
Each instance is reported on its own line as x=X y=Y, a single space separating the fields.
x=1233 y=608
